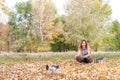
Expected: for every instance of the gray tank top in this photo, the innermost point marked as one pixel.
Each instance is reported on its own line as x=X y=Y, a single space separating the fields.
x=84 y=52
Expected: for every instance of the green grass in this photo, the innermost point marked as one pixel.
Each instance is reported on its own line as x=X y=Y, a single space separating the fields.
x=5 y=59
x=108 y=56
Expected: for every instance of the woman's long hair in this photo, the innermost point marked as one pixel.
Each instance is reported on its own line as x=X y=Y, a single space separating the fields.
x=81 y=47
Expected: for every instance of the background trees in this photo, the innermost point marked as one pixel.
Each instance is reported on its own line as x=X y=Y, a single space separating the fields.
x=43 y=15
x=4 y=37
x=3 y=7
x=86 y=20
x=21 y=26
x=35 y=26
x=115 y=31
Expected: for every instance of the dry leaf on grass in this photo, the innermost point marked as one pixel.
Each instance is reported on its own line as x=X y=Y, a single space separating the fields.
x=68 y=70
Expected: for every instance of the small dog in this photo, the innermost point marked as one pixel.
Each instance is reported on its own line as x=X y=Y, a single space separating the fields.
x=100 y=60
x=53 y=68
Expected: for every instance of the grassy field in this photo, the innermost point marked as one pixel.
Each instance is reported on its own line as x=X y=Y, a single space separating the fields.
x=6 y=59
x=32 y=67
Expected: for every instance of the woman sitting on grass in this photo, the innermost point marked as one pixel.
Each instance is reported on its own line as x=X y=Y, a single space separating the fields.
x=84 y=55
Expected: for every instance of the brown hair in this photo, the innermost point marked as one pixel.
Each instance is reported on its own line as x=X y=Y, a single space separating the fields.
x=86 y=46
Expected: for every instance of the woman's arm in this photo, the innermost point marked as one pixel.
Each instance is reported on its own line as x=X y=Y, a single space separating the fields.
x=89 y=52
x=79 y=53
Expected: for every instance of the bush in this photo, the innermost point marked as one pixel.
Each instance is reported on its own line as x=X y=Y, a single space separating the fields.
x=43 y=47
x=60 y=44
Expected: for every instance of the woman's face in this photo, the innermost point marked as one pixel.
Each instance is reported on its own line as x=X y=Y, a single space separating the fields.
x=83 y=44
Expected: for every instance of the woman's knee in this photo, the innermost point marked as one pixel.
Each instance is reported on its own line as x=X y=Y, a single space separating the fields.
x=77 y=57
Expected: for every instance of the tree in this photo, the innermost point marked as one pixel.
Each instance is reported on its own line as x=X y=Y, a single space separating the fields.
x=43 y=15
x=4 y=8
x=86 y=19
x=20 y=21
x=115 y=30
x=4 y=37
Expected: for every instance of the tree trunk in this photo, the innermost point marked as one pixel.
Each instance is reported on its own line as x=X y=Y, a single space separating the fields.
x=41 y=33
x=8 y=49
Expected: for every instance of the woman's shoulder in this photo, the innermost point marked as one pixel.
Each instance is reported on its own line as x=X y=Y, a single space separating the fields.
x=88 y=47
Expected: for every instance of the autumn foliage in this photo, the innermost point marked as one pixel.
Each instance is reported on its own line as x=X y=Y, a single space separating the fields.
x=69 y=70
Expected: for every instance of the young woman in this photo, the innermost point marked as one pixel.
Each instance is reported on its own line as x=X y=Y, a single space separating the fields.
x=84 y=55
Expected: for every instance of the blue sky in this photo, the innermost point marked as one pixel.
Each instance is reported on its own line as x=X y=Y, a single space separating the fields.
x=115 y=5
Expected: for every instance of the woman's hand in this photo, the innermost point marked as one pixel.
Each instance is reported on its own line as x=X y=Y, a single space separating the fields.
x=86 y=56
x=77 y=55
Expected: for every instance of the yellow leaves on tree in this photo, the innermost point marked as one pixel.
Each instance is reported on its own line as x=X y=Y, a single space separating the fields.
x=4 y=8
x=4 y=36
x=43 y=11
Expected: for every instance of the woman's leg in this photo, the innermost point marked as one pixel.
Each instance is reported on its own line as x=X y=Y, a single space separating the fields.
x=89 y=60
x=79 y=59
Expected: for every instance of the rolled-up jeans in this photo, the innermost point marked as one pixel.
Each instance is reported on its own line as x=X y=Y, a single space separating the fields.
x=84 y=60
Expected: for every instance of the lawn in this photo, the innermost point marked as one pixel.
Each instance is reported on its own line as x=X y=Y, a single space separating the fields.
x=31 y=67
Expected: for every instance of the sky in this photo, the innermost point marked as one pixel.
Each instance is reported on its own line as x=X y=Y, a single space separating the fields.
x=115 y=5
x=59 y=4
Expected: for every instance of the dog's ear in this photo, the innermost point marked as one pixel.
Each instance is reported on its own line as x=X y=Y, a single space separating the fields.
x=57 y=66
x=47 y=67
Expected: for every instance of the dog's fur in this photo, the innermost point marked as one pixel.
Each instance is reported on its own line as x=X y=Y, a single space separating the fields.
x=99 y=60
x=53 y=68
